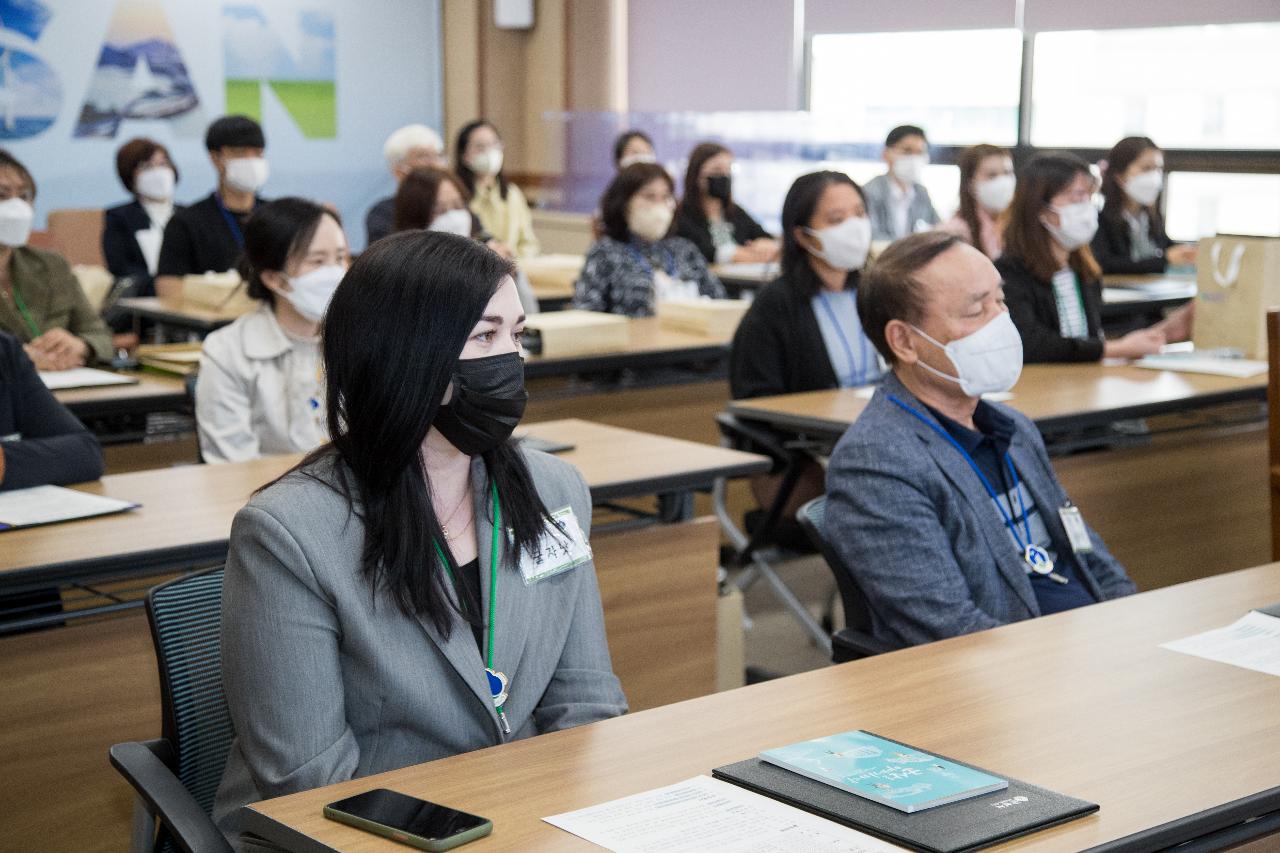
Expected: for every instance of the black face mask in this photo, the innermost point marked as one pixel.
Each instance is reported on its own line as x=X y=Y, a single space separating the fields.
x=718 y=186
x=487 y=403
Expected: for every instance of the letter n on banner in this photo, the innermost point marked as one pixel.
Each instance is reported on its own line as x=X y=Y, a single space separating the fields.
x=292 y=53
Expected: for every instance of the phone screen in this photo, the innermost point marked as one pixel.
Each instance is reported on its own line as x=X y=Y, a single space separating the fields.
x=408 y=814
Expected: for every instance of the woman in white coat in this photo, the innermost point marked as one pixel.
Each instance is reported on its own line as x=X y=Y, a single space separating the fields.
x=260 y=388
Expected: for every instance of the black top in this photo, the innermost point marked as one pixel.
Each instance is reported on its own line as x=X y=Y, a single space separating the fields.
x=468 y=589
x=120 y=245
x=696 y=229
x=43 y=443
x=778 y=348
x=1113 y=242
x=198 y=239
x=380 y=219
x=1034 y=311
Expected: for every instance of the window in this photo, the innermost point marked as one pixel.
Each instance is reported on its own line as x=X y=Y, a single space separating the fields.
x=1200 y=204
x=1186 y=87
x=960 y=86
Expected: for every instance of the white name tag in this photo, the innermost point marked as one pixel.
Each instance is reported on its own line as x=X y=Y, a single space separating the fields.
x=557 y=550
x=1077 y=532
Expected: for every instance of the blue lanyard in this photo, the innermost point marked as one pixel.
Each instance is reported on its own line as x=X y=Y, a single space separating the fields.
x=859 y=378
x=232 y=223
x=995 y=496
x=671 y=260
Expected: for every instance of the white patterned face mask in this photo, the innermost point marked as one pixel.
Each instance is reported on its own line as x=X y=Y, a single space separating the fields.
x=988 y=361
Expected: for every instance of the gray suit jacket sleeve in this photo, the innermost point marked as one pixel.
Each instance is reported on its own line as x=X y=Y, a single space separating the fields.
x=880 y=518
x=284 y=652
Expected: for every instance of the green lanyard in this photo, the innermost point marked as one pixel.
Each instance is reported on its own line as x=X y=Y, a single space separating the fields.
x=498 y=682
x=26 y=315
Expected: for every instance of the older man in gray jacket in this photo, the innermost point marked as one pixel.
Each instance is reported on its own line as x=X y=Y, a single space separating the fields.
x=944 y=506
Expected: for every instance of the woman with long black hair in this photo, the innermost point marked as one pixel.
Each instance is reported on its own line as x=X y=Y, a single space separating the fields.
x=421 y=586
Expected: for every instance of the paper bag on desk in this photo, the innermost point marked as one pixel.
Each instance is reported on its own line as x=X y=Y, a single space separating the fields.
x=1238 y=279
x=573 y=332
x=713 y=318
x=225 y=292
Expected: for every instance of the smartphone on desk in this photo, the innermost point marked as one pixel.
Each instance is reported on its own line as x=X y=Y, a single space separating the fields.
x=418 y=823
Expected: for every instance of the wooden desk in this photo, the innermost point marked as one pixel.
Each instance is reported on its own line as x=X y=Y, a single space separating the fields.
x=1082 y=702
x=650 y=345
x=186 y=512
x=177 y=314
x=1057 y=397
x=552 y=276
x=153 y=392
x=1134 y=297
x=741 y=280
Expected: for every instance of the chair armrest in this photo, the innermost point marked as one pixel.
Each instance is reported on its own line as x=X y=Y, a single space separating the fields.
x=848 y=644
x=142 y=764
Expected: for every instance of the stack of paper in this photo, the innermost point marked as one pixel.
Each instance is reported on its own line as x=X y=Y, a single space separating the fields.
x=83 y=377
x=1240 y=368
x=51 y=504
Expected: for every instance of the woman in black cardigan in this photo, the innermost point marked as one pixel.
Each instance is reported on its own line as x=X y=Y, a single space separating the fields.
x=707 y=216
x=1131 y=238
x=1052 y=284
x=782 y=345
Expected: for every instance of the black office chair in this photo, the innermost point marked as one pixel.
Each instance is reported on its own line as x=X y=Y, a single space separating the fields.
x=854 y=641
x=177 y=775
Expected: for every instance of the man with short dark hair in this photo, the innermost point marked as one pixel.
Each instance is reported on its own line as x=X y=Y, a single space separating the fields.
x=944 y=506
x=897 y=201
x=208 y=236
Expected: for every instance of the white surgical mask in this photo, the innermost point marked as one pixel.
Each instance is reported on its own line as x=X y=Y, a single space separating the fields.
x=247 y=174
x=15 y=222
x=909 y=168
x=1078 y=224
x=456 y=221
x=632 y=159
x=844 y=246
x=155 y=183
x=994 y=194
x=989 y=361
x=487 y=162
x=650 y=221
x=312 y=291
x=1145 y=188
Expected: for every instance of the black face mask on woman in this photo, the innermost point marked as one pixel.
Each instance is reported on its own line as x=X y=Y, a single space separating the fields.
x=719 y=186
x=487 y=403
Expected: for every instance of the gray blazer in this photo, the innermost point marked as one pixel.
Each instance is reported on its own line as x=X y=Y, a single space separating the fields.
x=915 y=526
x=327 y=681
x=879 y=192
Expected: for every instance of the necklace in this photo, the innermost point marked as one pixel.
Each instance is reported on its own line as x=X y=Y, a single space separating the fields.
x=444 y=525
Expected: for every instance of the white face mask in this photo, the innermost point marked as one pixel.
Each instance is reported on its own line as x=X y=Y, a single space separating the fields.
x=909 y=168
x=989 y=361
x=16 y=216
x=994 y=194
x=247 y=174
x=1145 y=188
x=155 y=183
x=312 y=291
x=1078 y=224
x=632 y=159
x=457 y=221
x=844 y=246
x=487 y=163
x=650 y=221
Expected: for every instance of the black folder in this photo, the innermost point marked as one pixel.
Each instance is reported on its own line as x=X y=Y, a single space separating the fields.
x=954 y=828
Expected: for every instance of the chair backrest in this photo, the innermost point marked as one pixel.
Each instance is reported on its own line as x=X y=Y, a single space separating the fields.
x=77 y=235
x=857 y=614
x=185 y=615
x=1273 y=428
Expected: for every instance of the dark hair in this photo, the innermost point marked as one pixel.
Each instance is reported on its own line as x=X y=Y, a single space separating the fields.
x=7 y=160
x=625 y=184
x=415 y=200
x=390 y=341
x=1026 y=240
x=620 y=144
x=460 y=167
x=797 y=209
x=901 y=132
x=890 y=288
x=234 y=132
x=277 y=232
x=691 y=203
x=970 y=160
x=1119 y=159
x=133 y=154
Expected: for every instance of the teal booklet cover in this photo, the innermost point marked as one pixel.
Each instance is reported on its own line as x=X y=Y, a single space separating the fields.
x=883 y=770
